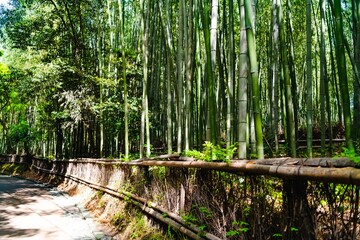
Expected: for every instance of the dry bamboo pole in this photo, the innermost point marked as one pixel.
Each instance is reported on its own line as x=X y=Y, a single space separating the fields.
x=336 y=170
x=347 y=175
x=292 y=168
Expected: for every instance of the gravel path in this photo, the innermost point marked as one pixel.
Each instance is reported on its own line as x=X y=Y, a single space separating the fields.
x=35 y=211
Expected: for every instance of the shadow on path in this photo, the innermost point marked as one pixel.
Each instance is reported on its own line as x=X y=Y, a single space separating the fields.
x=33 y=211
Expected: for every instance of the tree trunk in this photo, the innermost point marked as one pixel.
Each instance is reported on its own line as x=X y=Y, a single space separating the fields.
x=145 y=128
x=180 y=74
x=126 y=109
x=274 y=75
x=59 y=140
x=292 y=69
x=231 y=77
x=309 y=95
x=250 y=37
x=199 y=81
x=242 y=86
x=322 y=76
x=333 y=73
x=169 y=70
x=356 y=26
x=342 y=73
x=210 y=86
x=289 y=106
x=189 y=60
x=213 y=45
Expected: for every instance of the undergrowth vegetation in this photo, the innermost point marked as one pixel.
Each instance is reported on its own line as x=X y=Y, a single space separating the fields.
x=213 y=152
x=12 y=168
x=134 y=225
x=351 y=154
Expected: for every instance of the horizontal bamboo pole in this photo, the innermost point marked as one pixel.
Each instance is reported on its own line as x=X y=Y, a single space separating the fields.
x=336 y=170
x=325 y=170
x=346 y=175
x=313 y=162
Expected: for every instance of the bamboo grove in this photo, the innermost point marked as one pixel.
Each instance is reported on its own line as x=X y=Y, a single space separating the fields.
x=112 y=78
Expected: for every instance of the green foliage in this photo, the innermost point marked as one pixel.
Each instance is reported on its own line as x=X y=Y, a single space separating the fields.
x=207 y=212
x=202 y=227
x=143 y=230
x=119 y=220
x=351 y=154
x=232 y=233
x=189 y=218
x=13 y=168
x=51 y=157
x=277 y=235
x=151 y=147
x=247 y=211
x=240 y=227
x=22 y=133
x=158 y=171
x=4 y=71
x=99 y=194
x=101 y=203
x=195 y=154
x=127 y=187
x=212 y=152
x=169 y=233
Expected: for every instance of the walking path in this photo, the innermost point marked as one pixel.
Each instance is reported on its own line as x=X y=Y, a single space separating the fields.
x=34 y=211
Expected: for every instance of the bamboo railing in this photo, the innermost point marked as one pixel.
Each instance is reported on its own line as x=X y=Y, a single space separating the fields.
x=336 y=170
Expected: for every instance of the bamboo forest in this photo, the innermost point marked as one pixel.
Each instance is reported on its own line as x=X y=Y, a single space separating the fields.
x=121 y=78
x=221 y=119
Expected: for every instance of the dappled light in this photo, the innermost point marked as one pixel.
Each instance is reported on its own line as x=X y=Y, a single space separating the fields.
x=189 y=118
x=29 y=210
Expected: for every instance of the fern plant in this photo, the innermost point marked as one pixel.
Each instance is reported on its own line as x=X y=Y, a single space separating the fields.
x=212 y=152
x=351 y=154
